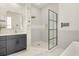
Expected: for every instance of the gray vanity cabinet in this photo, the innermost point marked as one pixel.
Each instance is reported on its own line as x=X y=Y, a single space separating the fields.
x=12 y=43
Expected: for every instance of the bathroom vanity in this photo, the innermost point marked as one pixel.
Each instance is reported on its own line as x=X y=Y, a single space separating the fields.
x=12 y=43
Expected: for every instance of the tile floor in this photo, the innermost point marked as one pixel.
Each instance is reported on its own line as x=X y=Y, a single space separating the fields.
x=39 y=51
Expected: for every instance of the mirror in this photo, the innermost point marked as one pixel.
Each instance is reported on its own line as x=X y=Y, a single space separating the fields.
x=14 y=21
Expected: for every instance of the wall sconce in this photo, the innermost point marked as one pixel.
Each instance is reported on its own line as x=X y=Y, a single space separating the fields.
x=64 y=24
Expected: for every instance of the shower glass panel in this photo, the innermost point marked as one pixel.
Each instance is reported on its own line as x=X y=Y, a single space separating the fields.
x=54 y=33
x=51 y=25
x=55 y=18
x=52 y=29
x=54 y=24
x=54 y=41
x=51 y=34
x=51 y=43
x=51 y=17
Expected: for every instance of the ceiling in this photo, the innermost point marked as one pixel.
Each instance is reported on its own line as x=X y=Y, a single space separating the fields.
x=39 y=5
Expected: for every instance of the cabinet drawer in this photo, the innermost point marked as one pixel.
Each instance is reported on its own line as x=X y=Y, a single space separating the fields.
x=11 y=37
x=16 y=36
x=2 y=38
x=21 y=36
x=2 y=44
x=2 y=51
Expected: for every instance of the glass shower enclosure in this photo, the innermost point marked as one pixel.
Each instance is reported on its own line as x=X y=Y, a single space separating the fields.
x=52 y=29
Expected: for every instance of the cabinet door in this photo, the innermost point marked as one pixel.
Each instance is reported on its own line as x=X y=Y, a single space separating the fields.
x=11 y=44
x=20 y=44
x=2 y=44
x=2 y=51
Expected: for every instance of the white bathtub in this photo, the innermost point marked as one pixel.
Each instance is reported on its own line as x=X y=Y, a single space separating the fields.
x=72 y=49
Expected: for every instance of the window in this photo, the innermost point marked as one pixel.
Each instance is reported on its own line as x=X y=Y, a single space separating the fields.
x=9 y=22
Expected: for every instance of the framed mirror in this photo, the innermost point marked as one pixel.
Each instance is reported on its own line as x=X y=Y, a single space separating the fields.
x=14 y=20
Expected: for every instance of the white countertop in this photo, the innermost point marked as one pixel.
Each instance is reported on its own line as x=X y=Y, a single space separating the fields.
x=11 y=34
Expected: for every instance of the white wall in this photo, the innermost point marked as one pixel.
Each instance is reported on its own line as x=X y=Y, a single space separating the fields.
x=68 y=13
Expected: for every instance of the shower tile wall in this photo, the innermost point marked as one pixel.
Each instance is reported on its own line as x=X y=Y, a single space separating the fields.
x=35 y=24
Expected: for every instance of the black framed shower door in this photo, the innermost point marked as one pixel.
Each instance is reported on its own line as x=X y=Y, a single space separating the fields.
x=52 y=29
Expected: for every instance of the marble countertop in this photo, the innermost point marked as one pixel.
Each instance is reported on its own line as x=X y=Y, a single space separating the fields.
x=11 y=34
